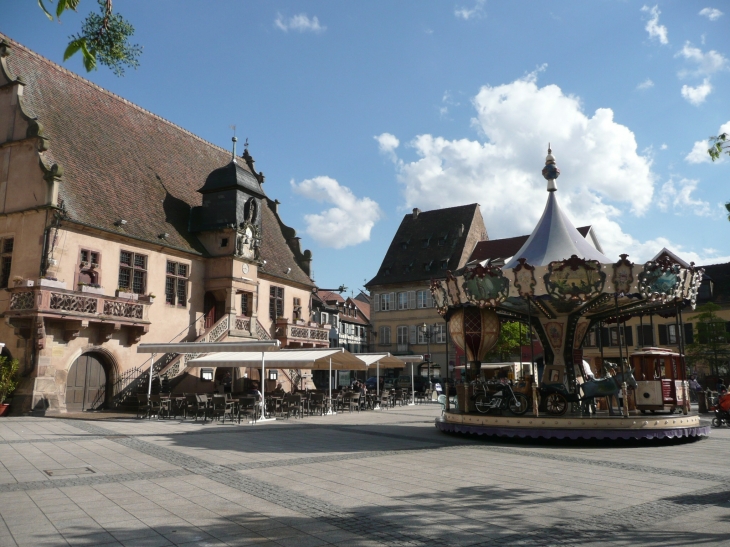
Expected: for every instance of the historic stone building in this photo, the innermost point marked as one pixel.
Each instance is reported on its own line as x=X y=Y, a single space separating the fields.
x=425 y=246
x=118 y=227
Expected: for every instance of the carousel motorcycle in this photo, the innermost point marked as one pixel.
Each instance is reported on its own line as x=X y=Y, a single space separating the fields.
x=501 y=399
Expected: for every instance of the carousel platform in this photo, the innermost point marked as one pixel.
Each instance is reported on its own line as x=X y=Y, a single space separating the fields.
x=659 y=426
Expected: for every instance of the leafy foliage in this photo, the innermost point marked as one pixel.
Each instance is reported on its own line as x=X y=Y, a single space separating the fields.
x=8 y=376
x=104 y=37
x=718 y=145
x=711 y=346
x=511 y=337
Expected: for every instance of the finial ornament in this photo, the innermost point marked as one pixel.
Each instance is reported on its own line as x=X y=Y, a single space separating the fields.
x=550 y=171
x=234 y=140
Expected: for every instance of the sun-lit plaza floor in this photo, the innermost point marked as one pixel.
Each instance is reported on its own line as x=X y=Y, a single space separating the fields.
x=376 y=478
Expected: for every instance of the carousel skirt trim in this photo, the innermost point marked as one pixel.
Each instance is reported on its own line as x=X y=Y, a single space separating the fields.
x=583 y=433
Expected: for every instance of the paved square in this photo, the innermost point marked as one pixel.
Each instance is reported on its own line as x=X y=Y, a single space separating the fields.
x=385 y=478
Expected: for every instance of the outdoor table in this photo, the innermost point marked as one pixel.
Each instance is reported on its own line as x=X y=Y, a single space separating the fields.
x=274 y=404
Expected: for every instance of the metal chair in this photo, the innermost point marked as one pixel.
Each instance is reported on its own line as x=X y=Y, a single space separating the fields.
x=248 y=407
x=143 y=405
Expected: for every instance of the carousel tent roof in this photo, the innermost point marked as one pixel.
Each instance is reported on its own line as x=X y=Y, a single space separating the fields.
x=555 y=238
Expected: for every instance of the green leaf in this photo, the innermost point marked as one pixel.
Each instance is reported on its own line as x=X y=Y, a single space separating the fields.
x=60 y=7
x=72 y=4
x=73 y=47
x=43 y=7
x=727 y=206
x=89 y=58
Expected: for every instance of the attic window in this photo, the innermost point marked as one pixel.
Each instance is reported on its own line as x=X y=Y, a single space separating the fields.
x=442 y=240
x=404 y=244
x=427 y=265
x=224 y=242
x=425 y=242
x=445 y=264
x=386 y=270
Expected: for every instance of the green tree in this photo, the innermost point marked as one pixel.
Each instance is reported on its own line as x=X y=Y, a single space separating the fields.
x=104 y=37
x=511 y=336
x=711 y=346
x=718 y=146
x=8 y=376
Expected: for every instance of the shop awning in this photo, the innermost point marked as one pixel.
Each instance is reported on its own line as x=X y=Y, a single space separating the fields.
x=386 y=360
x=208 y=347
x=314 y=359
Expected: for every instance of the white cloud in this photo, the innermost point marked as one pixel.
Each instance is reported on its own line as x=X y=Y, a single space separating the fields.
x=713 y=14
x=467 y=13
x=663 y=146
x=300 y=23
x=603 y=173
x=387 y=144
x=349 y=222
x=699 y=154
x=697 y=95
x=705 y=63
x=646 y=84
x=653 y=27
x=678 y=197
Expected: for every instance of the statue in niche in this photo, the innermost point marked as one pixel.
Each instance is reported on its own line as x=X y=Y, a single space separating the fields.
x=248 y=238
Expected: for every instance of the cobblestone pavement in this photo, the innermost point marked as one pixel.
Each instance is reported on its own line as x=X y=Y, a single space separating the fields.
x=386 y=478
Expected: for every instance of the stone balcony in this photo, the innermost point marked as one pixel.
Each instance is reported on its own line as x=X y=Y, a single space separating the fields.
x=301 y=334
x=30 y=307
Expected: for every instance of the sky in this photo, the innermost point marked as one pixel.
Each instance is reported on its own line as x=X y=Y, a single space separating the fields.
x=357 y=112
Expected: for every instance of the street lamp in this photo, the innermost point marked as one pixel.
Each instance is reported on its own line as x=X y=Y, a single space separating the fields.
x=427 y=334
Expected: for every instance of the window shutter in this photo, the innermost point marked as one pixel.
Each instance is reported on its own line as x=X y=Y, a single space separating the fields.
x=429 y=299
x=411 y=300
x=628 y=336
x=605 y=338
x=412 y=334
x=376 y=302
x=663 y=335
x=393 y=302
x=689 y=335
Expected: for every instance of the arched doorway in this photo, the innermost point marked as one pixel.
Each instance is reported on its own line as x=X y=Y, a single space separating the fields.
x=209 y=309
x=86 y=383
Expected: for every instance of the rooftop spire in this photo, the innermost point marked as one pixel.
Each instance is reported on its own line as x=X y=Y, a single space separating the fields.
x=550 y=171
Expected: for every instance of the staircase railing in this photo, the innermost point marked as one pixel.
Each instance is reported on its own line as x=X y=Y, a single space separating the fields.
x=180 y=362
x=128 y=383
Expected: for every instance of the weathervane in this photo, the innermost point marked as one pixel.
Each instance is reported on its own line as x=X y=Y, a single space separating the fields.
x=234 y=139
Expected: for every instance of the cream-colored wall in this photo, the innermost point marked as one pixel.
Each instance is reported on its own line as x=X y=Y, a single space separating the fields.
x=166 y=321
x=289 y=294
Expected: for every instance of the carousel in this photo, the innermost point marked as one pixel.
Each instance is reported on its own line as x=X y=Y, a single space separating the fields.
x=561 y=286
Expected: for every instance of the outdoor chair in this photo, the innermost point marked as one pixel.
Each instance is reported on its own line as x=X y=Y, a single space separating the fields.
x=398 y=397
x=143 y=406
x=384 y=400
x=316 y=403
x=352 y=400
x=201 y=406
x=293 y=405
x=221 y=408
x=420 y=397
x=155 y=406
x=191 y=405
x=247 y=407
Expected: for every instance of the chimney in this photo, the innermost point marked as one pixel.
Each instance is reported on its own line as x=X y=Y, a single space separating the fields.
x=276 y=206
x=416 y=212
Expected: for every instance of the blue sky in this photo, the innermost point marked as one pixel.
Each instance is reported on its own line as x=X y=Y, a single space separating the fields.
x=358 y=112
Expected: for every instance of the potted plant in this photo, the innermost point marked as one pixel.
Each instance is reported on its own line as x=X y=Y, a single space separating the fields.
x=8 y=381
x=126 y=292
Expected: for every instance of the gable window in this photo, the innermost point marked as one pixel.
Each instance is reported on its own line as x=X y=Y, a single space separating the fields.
x=276 y=302
x=132 y=272
x=6 y=261
x=246 y=304
x=176 y=284
x=297 y=308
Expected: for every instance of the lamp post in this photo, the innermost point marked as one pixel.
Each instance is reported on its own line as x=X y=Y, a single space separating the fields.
x=426 y=329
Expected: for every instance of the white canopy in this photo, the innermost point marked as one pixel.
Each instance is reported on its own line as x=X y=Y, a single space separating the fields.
x=315 y=359
x=386 y=360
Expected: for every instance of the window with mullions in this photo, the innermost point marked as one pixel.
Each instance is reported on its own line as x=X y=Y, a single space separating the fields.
x=132 y=272
x=276 y=302
x=176 y=284
x=6 y=261
x=247 y=304
x=439 y=334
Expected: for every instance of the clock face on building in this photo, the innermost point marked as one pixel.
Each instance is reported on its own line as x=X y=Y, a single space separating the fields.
x=244 y=268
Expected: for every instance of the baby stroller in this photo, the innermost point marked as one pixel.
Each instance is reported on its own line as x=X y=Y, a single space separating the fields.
x=722 y=411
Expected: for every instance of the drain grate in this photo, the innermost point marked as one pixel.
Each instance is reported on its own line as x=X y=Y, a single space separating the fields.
x=73 y=471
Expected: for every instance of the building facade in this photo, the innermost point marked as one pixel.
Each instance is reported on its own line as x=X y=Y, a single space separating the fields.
x=425 y=246
x=118 y=227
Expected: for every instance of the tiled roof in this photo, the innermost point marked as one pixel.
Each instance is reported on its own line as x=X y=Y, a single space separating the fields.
x=123 y=162
x=364 y=307
x=493 y=249
x=417 y=245
x=329 y=296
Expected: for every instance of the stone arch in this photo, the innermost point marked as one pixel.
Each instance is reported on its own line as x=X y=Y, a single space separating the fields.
x=91 y=374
